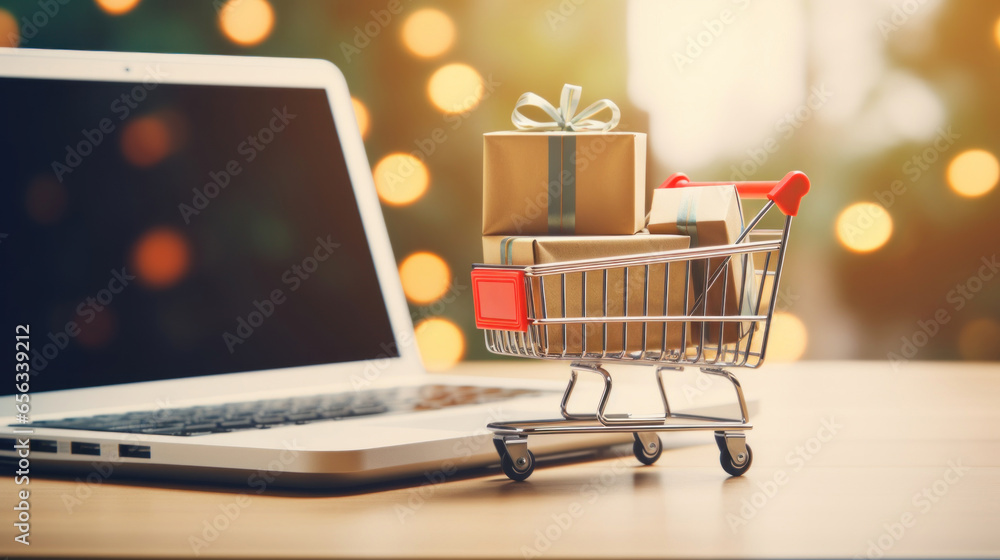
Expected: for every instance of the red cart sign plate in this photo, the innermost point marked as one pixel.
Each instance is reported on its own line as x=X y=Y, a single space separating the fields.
x=499 y=299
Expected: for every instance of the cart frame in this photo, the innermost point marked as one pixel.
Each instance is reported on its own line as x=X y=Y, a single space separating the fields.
x=522 y=323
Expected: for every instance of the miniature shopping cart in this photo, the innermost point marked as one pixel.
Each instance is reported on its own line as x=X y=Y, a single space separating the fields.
x=534 y=311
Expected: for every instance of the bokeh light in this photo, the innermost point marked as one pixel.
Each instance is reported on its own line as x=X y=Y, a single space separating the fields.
x=117 y=7
x=788 y=338
x=400 y=179
x=441 y=343
x=246 y=22
x=161 y=257
x=996 y=33
x=864 y=227
x=980 y=340
x=428 y=33
x=455 y=88
x=145 y=141
x=973 y=173
x=361 y=115
x=100 y=330
x=46 y=199
x=425 y=277
x=10 y=35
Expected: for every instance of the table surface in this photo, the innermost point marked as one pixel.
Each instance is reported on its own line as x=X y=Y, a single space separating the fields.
x=851 y=459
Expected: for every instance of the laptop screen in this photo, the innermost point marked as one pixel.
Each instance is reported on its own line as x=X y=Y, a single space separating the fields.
x=155 y=231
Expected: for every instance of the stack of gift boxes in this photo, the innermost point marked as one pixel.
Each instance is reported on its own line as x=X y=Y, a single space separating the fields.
x=573 y=189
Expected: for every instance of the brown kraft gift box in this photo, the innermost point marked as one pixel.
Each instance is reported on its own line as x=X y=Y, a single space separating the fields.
x=711 y=216
x=548 y=249
x=564 y=183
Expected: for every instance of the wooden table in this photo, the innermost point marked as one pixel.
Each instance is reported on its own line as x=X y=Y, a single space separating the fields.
x=850 y=459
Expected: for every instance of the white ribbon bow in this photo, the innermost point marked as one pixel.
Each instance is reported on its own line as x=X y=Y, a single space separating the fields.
x=562 y=118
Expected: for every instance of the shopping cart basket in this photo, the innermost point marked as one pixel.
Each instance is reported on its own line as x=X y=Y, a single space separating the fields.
x=530 y=311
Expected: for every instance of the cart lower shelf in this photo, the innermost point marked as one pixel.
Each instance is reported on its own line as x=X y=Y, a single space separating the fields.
x=517 y=461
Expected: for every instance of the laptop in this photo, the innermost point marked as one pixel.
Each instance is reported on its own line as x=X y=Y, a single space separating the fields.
x=199 y=284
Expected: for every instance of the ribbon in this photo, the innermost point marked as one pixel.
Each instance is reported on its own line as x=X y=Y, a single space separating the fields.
x=562 y=148
x=687 y=217
x=687 y=224
x=563 y=118
x=562 y=185
x=506 y=250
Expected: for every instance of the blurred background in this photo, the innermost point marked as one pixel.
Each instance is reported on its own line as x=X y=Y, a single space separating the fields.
x=890 y=106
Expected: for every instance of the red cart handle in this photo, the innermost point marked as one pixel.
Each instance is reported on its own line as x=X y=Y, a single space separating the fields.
x=786 y=193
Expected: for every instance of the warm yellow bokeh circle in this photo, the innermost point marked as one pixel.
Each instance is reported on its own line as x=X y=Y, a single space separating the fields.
x=400 y=179
x=441 y=343
x=425 y=277
x=361 y=115
x=455 y=88
x=864 y=227
x=117 y=7
x=428 y=33
x=788 y=338
x=973 y=173
x=246 y=22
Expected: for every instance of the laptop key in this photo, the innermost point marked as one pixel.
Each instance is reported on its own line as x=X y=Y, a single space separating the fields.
x=367 y=410
x=335 y=413
x=302 y=417
x=269 y=420
x=237 y=424
x=174 y=430
x=204 y=427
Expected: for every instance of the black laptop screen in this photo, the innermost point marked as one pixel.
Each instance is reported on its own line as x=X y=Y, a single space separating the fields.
x=160 y=231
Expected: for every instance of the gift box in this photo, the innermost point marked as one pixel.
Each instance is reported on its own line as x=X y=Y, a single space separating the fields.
x=711 y=216
x=584 y=297
x=568 y=176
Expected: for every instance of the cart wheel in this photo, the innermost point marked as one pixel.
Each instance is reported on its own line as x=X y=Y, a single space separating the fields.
x=507 y=464
x=642 y=454
x=727 y=462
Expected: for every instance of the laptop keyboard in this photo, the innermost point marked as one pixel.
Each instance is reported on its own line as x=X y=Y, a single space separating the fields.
x=253 y=415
